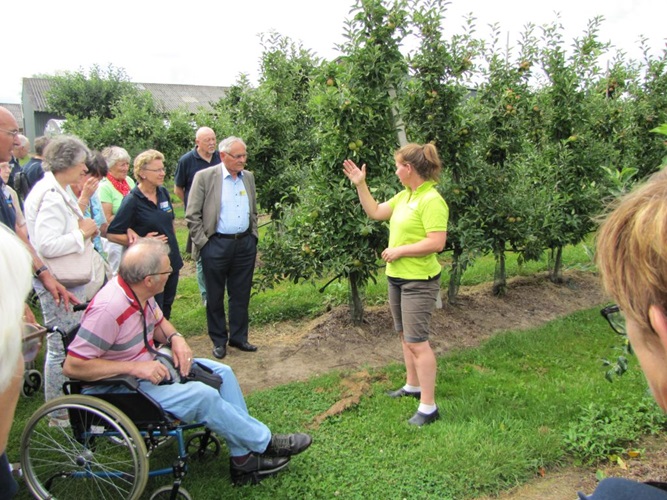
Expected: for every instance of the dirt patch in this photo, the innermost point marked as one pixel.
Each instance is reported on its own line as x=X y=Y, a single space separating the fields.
x=297 y=350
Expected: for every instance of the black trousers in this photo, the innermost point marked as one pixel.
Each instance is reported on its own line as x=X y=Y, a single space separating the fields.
x=229 y=266
x=8 y=486
x=166 y=298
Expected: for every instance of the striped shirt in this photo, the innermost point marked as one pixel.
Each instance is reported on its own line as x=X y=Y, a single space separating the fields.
x=112 y=327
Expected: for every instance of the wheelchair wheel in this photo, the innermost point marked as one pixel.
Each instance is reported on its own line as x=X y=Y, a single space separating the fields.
x=164 y=493
x=100 y=454
x=32 y=383
x=202 y=446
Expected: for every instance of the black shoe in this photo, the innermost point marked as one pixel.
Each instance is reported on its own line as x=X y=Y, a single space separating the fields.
x=399 y=393
x=244 y=346
x=420 y=418
x=220 y=351
x=255 y=468
x=286 y=445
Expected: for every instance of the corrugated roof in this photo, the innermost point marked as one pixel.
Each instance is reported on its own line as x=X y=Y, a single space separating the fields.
x=169 y=96
x=16 y=110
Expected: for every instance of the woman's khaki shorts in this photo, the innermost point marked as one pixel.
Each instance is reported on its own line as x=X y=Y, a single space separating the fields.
x=412 y=303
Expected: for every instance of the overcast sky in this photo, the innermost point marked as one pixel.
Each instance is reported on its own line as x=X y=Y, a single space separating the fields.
x=211 y=42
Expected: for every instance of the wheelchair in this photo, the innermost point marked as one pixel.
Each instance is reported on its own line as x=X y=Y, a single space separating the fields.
x=103 y=449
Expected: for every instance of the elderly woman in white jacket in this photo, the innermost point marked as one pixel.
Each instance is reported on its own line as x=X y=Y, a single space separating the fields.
x=56 y=227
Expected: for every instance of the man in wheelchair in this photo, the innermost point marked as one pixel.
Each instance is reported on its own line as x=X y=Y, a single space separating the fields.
x=117 y=337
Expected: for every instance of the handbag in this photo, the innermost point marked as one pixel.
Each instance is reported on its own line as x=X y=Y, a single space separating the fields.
x=76 y=268
x=73 y=269
x=101 y=274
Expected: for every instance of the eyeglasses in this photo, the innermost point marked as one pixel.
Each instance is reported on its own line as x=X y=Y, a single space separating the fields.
x=161 y=170
x=615 y=318
x=13 y=133
x=238 y=157
x=171 y=270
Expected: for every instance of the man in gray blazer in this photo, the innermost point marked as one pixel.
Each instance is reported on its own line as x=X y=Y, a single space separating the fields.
x=222 y=220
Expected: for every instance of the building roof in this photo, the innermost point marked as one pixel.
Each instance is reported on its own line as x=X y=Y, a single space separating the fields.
x=16 y=110
x=169 y=96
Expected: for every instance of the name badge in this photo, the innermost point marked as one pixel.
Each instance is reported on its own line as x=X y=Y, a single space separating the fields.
x=164 y=206
x=242 y=193
x=413 y=205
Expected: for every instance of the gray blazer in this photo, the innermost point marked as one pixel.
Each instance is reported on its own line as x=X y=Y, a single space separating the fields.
x=203 y=209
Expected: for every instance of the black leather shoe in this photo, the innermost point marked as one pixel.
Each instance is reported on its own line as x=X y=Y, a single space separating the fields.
x=286 y=445
x=244 y=346
x=255 y=468
x=420 y=418
x=220 y=351
x=399 y=393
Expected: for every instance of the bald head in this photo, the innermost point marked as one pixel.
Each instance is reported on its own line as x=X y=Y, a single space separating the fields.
x=8 y=134
x=143 y=258
x=205 y=141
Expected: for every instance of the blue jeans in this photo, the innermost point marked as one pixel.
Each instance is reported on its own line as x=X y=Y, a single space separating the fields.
x=616 y=488
x=224 y=411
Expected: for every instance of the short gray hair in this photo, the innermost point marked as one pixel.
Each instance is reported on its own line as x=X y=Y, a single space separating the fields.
x=142 y=259
x=226 y=144
x=114 y=154
x=63 y=152
x=24 y=140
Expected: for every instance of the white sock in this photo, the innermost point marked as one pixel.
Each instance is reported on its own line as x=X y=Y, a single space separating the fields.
x=412 y=388
x=426 y=409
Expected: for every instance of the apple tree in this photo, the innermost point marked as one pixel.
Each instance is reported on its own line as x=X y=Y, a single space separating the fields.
x=326 y=232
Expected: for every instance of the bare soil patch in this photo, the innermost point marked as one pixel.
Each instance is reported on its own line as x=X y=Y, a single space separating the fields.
x=297 y=350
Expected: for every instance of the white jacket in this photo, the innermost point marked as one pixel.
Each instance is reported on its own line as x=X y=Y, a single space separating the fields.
x=52 y=226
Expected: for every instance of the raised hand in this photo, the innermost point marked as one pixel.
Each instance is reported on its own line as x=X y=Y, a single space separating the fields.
x=356 y=175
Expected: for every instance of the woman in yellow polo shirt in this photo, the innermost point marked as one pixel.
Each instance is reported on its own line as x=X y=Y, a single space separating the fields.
x=417 y=233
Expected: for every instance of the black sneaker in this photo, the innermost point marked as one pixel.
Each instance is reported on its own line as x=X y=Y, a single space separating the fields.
x=286 y=445
x=255 y=468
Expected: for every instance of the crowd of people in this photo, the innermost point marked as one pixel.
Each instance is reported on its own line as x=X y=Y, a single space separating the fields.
x=65 y=201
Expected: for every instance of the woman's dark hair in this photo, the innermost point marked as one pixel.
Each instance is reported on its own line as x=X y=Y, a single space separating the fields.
x=97 y=165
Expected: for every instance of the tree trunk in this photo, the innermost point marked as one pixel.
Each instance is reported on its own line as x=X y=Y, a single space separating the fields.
x=500 y=273
x=556 y=273
x=455 y=275
x=356 y=304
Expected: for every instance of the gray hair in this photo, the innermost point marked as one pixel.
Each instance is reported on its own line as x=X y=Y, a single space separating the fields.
x=63 y=152
x=114 y=154
x=142 y=259
x=24 y=140
x=226 y=144
x=15 y=269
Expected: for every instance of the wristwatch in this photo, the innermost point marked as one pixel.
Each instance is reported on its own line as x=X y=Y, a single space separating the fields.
x=175 y=334
x=40 y=271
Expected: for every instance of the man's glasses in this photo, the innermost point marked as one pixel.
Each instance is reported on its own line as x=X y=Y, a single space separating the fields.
x=238 y=157
x=615 y=318
x=171 y=270
x=13 y=133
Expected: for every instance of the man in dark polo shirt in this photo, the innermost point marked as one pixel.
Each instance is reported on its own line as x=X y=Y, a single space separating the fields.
x=204 y=155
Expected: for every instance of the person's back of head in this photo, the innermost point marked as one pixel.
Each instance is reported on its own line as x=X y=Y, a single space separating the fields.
x=15 y=269
x=632 y=250
x=40 y=145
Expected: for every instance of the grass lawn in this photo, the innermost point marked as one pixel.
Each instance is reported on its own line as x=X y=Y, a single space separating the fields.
x=509 y=408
